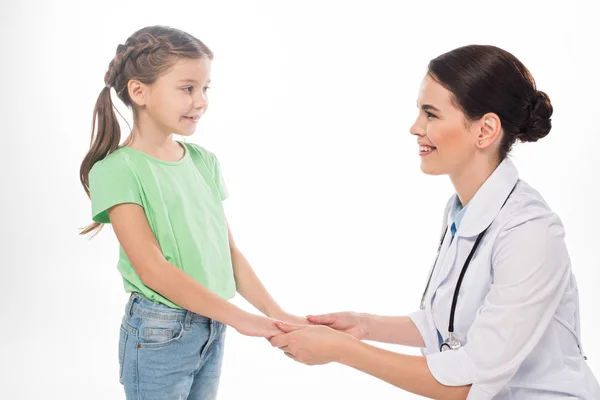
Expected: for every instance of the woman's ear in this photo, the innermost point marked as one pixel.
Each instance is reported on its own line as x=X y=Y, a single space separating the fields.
x=489 y=129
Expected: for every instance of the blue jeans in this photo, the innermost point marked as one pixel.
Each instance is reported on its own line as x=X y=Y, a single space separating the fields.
x=169 y=354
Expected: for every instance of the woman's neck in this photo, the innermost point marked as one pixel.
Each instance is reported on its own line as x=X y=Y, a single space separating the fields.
x=469 y=179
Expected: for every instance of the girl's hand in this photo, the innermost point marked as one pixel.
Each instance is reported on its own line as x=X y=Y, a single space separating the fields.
x=256 y=325
x=348 y=322
x=291 y=318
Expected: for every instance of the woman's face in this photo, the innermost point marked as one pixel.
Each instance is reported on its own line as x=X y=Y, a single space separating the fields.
x=447 y=141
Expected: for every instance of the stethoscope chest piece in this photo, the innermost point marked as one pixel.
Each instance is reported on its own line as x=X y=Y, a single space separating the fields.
x=451 y=343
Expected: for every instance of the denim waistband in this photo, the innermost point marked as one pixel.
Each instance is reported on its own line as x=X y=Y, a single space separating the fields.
x=146 y=308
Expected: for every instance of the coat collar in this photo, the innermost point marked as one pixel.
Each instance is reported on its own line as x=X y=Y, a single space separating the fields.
x=489 y=199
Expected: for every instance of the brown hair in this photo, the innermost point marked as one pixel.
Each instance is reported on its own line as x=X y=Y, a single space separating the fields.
x=489 y=79
x=145 y=56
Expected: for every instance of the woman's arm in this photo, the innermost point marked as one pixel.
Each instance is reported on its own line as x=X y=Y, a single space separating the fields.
x=319 y=345
x=394 y=329
x=143 y=251
x=531 y=271
x=410 y=373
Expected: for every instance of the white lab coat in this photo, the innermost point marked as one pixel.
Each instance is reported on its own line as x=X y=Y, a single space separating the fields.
x=517 y=314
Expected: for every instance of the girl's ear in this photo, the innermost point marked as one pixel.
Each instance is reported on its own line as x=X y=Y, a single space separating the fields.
x=138 y=92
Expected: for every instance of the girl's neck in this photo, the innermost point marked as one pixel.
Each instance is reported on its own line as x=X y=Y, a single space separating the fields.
x=147 y=134
x=148 y=138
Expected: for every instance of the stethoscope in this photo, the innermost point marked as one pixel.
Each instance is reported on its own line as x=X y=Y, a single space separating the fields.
x=452 y=342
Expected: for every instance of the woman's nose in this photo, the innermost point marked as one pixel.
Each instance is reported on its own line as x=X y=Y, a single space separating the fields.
x=416 y=129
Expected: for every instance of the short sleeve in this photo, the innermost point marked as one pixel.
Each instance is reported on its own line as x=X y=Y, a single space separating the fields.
x=419 y=318
x=219 y=180
x=111 y=183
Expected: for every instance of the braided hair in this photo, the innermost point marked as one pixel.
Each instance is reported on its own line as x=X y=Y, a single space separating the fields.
x=145 y=56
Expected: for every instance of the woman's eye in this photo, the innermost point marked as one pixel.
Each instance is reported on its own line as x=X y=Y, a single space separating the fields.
x=430 y=115
x=188 y=89
x=206 y=88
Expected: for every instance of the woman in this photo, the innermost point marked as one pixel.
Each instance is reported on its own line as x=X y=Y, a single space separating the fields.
x=500 y=315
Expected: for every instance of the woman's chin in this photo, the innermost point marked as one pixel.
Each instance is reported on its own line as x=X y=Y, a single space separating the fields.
x=429 y=169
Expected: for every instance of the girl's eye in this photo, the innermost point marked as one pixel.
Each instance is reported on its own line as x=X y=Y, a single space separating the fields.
x=206 y=88
x=188 y=89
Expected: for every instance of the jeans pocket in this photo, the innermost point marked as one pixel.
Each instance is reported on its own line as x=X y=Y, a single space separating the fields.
x=159 y=333
x=122 y=345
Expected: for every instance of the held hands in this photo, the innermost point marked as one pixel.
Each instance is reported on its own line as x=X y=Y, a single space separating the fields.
x=324 y=340
x=259 y=326
x=291 y=318
x=256 y=325
x=352 y=323
x=317 y=339
x=311 y=345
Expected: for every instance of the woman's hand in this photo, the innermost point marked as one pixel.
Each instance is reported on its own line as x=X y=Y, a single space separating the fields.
x=256 y=325
x=352 y=323
x=311 y=345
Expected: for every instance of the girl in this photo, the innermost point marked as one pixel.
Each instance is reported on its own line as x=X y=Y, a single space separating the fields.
x=163 y=198
x=500 y=314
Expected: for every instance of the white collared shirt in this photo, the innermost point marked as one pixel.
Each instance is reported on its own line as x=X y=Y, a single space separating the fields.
x=517 y=314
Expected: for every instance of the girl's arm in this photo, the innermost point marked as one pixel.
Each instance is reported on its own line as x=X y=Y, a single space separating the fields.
x=251 y=288
x=143 y=251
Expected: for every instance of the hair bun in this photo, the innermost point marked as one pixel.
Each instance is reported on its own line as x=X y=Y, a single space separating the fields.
x=539 y=122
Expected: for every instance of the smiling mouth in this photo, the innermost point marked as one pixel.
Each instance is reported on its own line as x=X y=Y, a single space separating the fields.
x=193 y=118
x=423 y=149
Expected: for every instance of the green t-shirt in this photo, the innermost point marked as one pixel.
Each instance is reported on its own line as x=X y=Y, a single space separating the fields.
x=183 y=203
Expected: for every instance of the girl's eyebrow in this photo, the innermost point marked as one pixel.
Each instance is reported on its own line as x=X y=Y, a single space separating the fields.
x=191 y=81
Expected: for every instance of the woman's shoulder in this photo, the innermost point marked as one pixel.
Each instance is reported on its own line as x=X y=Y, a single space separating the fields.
x=527 y=210
x=529 y=236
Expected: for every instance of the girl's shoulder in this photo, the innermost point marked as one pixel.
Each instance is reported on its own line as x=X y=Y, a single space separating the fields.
x=113 y=162
x=200 y=154
x=194 y=148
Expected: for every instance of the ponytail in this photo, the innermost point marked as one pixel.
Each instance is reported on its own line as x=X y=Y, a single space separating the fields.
x=145 y=56
x=106 y=136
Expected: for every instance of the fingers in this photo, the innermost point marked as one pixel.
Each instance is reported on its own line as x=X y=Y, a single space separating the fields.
x=289 y=327
x=274 y=332
x=324 y=319
x=279 y=341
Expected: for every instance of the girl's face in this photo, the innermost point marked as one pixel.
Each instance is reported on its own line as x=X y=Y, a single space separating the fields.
x=447 y=141
x=177 y=100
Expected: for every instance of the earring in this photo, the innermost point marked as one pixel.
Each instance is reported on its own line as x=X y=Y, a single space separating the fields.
x=480 y=142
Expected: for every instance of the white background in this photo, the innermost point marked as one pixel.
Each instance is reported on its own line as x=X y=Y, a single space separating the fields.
x=311 y=106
